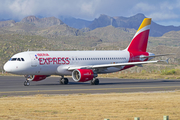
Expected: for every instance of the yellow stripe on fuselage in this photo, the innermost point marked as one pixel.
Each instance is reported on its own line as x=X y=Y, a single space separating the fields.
x=146 y=22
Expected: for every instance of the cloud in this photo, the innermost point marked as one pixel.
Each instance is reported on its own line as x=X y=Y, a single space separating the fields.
x=75 y=8
x=161 y=10
x=22 y=7
x=144 y=7
x=89 y=7
x=86 y=9
x=163 y=16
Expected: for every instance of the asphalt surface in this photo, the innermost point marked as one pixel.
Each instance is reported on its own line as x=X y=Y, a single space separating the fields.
x=14 y=86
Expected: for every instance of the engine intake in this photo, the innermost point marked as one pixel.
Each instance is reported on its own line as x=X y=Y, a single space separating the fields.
x=82 y=75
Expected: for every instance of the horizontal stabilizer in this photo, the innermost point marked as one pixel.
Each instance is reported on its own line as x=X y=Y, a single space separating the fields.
x=167 y=61
x=155 y=55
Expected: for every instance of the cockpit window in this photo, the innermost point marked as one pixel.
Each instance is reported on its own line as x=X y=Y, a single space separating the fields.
x=13 y=59
x=17 y=59
x=22 y=59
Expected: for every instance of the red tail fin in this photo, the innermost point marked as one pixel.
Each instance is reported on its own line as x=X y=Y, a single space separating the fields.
x=140 y=39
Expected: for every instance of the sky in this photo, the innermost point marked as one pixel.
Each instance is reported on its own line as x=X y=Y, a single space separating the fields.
x=164 y=12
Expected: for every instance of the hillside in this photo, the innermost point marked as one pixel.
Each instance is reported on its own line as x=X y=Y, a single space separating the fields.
x=111 y=34
x=51 y=34
x=50 y=26
x=42 y=22
x=74 y=22
x=131 y=22
x=103 y=20
x=7 y=23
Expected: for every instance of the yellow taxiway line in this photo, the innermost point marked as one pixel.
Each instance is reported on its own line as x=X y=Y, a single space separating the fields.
x=98 y=89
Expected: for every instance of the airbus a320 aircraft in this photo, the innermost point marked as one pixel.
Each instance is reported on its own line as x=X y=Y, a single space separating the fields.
x=82 y=65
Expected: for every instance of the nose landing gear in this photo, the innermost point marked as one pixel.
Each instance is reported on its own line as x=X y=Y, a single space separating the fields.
x=26 y=83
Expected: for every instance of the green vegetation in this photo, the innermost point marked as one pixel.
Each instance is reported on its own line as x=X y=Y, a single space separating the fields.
x=169 y=72
x=23 y=36
x=150 y=71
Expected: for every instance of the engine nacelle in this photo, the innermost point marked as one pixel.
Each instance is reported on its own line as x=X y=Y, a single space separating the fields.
x=82 y=75
x=35 y=77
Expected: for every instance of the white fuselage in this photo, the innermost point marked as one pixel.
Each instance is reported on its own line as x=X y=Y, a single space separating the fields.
x=58 y=62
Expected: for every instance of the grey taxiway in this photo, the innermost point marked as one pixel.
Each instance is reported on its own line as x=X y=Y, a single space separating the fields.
x=14 y=86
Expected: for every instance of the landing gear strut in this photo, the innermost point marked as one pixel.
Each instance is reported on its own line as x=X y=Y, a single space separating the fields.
x=64 y=81
x=95 y=81
x=26 y=83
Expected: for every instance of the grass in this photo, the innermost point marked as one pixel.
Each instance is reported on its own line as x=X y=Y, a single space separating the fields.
x=114 y=106
x=169 y=72
x=147 y=72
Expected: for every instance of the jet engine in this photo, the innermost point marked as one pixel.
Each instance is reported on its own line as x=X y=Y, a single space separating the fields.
x=35 y=77
x=82 y=75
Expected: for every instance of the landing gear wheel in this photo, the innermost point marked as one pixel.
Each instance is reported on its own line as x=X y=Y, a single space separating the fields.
x=64 y=81
x=95 y=82
x=26 y=83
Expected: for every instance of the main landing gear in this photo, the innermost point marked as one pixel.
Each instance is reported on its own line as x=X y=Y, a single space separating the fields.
x=64 y=81
x=95 y=81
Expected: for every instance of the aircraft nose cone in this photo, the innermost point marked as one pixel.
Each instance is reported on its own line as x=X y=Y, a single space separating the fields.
x=7 y=67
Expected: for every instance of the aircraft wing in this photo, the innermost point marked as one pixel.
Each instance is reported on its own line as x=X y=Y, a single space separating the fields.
x=112 y=65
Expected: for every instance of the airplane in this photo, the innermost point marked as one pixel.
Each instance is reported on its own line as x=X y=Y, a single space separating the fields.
x=82 y=65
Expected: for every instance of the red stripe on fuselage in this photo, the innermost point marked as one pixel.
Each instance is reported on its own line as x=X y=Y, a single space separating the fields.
x=135 y=57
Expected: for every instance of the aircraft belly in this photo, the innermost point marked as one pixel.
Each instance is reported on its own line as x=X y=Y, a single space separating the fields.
x=46 y=70
x=63 y=70
x=109 y=70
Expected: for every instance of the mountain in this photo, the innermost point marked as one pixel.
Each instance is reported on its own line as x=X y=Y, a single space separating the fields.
x=131 y=22
x=42 y=22
x=7 y=23
x=75 y=23
x=32 y=25
x=59 y=30
x=52 y=34
x=159 y=30
x=125 y=22
x=110 y=34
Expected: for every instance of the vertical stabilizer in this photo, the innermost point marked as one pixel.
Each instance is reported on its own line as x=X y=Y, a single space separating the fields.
x=140 y=39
